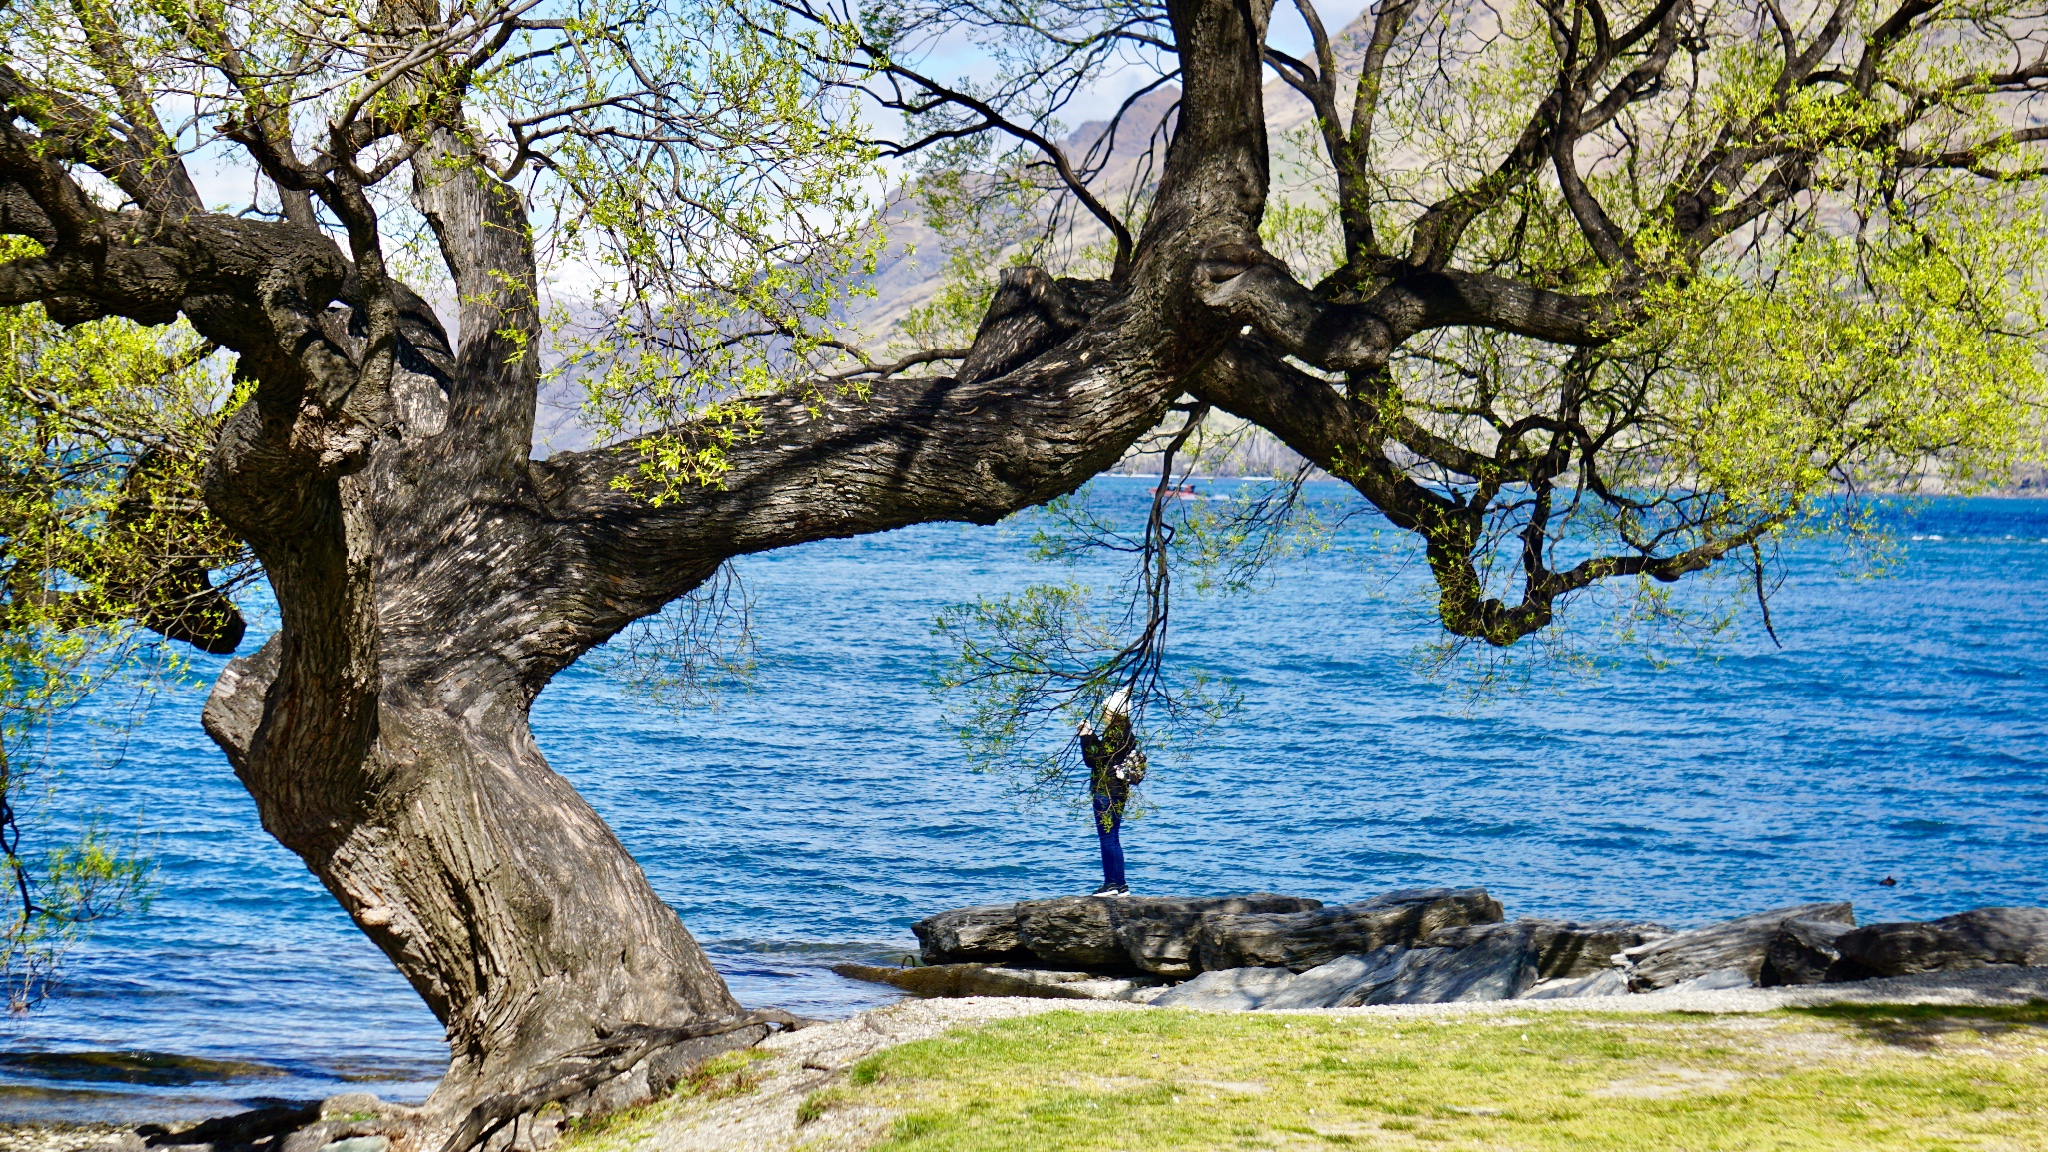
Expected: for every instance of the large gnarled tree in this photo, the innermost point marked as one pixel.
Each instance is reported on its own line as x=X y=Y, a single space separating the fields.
x=689 y=165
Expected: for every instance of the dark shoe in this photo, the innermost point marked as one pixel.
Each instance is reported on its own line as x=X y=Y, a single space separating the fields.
x=1112 y=890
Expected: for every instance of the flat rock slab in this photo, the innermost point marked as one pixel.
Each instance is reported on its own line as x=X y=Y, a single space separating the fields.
x=1719 y=980
x=1973 y=939
x=1304 y=940
x=1342 y=983
x=958 y=980
x=1111 y=934
x=1608 y=983
x=1499 y=967
x=987 y=933
x=1141 y=933
x=1231 y=990
x=1741 y=944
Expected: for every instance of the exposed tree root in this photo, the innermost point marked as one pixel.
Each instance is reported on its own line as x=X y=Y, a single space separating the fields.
x=584 y=1069
x=310 y=1127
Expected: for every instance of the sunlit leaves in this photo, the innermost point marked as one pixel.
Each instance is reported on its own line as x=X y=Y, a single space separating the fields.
x=713 y=209
x=73 y=885
x=1027 y=668
x=1907 y=351
x=698 y=196
x=103 y=431
x=1815 y=261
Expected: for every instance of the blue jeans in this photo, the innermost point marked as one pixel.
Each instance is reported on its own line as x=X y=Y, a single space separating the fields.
x=1109 y=818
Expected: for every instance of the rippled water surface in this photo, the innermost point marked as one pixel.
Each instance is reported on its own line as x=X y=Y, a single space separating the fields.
x=1899 y=732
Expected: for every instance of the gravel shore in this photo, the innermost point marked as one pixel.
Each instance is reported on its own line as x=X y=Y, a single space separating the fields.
x=56 y=1137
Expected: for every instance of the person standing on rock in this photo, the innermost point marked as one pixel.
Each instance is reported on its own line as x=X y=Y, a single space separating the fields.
x=1115 y=764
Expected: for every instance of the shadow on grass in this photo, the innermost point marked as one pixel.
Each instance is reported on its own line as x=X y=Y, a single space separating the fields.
x=1922 y=1026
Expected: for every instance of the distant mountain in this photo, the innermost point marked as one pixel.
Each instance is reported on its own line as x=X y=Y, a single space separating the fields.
x=914 y=255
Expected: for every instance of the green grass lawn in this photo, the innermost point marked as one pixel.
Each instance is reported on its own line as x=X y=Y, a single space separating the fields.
x=1839 y=1079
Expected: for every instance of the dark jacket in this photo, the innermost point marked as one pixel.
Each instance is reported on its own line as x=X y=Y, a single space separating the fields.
x=1115 y=762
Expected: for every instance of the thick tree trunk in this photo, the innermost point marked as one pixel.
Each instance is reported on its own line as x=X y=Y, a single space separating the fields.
x=429 y=597
x=513 y=910
x=384 y=731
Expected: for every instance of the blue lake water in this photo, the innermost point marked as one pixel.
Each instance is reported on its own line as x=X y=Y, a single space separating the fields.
x=1901 y=731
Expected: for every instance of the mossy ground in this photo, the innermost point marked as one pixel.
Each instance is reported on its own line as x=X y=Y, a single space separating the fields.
x=720 y=1077
x=1842 y=1079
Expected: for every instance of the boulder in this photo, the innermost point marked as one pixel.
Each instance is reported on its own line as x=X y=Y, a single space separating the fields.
x=1235 y=989
x=1608 y=983
x=959 y=980
x=1345 y=982
x=1966 y=940
x=1304 y=940
x=1133 y=933
x=1802 y=952
x=987 y=933
x=1563 y=948
x=1739 y=943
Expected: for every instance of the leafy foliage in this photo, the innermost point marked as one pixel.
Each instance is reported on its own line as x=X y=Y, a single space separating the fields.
x=717 y=218
x=703 y=205
x=104 y=429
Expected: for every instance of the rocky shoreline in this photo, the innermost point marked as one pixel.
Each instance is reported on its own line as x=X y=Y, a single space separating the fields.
x=1420 y=951
x=1417 y=946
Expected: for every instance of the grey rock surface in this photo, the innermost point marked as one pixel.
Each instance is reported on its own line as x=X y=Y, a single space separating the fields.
x=1563 y=948
x=959 y=980
x=1740 y=943
x=1304 y=940
x=1070 y=932
x=1345 y=982
x=1131 y=933
x=1500 y=966
x=985 y=933
x=351 y=1104
x=1159 y=935
x=1802 y=952
x=1720 y=979
x=1608 y=983
x=1973 y=939
x=1235 y=989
